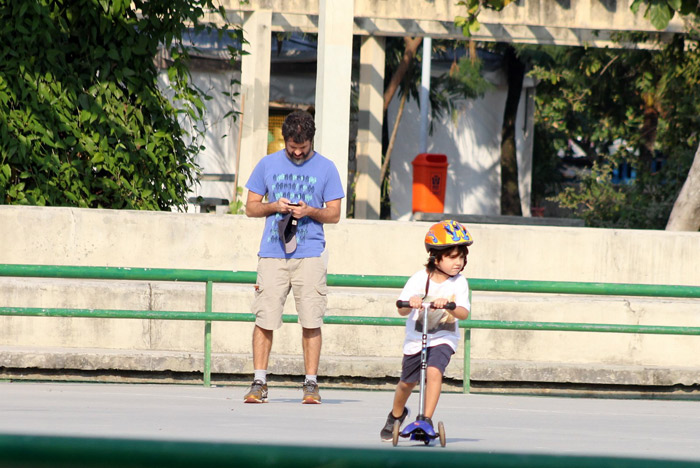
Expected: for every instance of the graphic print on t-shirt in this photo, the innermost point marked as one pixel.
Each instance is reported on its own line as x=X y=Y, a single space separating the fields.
x=438 y=319
x=294 y=188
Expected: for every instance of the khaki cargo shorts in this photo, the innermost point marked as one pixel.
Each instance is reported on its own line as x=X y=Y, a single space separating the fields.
x=305 y=277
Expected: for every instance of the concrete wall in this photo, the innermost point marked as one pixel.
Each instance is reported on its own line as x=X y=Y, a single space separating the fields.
x=64 y=236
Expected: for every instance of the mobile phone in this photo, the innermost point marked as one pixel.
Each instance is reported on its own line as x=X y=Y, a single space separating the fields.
x=293 y=204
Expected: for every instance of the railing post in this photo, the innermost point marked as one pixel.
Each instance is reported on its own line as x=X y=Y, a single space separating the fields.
x=467 y=372
x=207 y=336
x=467 y=365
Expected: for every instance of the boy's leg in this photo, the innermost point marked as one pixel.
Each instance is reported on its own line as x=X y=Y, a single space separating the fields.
x=403 y=392
x=438 y=359
x=399 y=412
x=433 y=386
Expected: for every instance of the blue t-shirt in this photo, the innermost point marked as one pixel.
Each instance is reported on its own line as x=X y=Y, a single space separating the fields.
x=315 y=182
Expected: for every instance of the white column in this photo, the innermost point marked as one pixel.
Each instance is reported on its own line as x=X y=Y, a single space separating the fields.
x=524 y=140
x=425 y=93
x=369 y=134
x=255 y=92
x=335 y=22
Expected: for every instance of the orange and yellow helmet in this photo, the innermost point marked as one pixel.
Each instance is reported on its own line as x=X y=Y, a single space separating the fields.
x=447 y=234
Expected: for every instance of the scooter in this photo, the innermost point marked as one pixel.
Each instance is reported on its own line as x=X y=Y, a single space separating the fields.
x=420 y=429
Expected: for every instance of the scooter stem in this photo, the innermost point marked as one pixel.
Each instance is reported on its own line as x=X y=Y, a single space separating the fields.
x=423 y=359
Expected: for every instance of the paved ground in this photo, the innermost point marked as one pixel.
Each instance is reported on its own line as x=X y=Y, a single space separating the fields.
x=352 y=418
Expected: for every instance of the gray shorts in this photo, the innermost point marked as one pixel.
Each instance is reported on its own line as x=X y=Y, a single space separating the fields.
x=438 y=356
x=305 y=277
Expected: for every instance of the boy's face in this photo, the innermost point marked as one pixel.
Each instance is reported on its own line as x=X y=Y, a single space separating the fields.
x=453 y=261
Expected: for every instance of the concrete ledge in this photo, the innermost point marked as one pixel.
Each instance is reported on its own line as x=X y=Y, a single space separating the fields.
x=66 y=236
x=485 y=219
x=363 y=367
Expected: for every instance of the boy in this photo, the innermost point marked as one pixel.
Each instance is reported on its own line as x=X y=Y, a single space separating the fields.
x=440 y=282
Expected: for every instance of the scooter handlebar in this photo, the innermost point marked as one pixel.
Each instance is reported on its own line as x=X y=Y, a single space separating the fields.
x=448 y=306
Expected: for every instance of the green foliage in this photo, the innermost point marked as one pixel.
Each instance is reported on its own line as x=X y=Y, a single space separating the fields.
x=660 y=12
x=600 y=98
x=238 y=207
x=469 y=24
x=82 y=120
x=463 y=81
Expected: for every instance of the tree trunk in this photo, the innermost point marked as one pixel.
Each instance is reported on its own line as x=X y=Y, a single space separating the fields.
x=649 y=129
x=685 y=215
x=392 y=140
x=411 y=45
x=510 y=193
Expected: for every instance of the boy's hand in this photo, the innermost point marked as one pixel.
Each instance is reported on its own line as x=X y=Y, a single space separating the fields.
x=416 y=302
x=439 y=303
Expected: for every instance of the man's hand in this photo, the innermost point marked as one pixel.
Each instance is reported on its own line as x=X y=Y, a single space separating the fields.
x=255 y=208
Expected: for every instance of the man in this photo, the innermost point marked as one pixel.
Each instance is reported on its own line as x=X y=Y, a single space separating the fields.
x=303 y=192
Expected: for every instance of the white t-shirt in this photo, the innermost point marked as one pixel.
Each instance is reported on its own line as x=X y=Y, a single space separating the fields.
x=443 y=328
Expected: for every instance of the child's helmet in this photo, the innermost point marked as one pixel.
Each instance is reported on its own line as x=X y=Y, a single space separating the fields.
x=447 y=234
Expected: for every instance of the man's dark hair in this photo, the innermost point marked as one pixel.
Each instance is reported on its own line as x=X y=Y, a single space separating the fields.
x=299 y=126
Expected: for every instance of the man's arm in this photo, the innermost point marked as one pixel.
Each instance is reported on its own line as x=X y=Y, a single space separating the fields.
x=330 y=214
x=256 y=208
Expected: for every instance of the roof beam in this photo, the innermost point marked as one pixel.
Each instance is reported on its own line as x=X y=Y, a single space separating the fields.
x=560 y=22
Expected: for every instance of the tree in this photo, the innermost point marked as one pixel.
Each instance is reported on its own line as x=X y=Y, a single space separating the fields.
x=82 y=120
x=464 y=80
x=600 y=100
x=510 y=187
x=515 y=73
x=685 y=215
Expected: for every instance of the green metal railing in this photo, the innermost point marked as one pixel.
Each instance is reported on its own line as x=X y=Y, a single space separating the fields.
x=208 y=277
x=35 y=451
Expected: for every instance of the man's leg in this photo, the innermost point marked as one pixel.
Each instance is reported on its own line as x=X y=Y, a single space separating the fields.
x=262 y=344
x=311 y=343
x=270 y=294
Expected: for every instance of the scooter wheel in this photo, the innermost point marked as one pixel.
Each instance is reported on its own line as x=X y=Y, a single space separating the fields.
x=395 y=433
x=441 y=433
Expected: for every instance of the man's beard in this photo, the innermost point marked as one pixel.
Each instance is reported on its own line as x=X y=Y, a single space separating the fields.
x=298 y=161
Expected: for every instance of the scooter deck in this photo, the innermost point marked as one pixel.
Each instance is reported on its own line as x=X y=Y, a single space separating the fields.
x=419 y=430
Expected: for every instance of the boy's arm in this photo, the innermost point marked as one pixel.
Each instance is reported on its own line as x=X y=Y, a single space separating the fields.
x=460 y=313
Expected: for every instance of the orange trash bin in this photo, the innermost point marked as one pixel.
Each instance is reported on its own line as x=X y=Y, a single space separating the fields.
x=429 y=177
